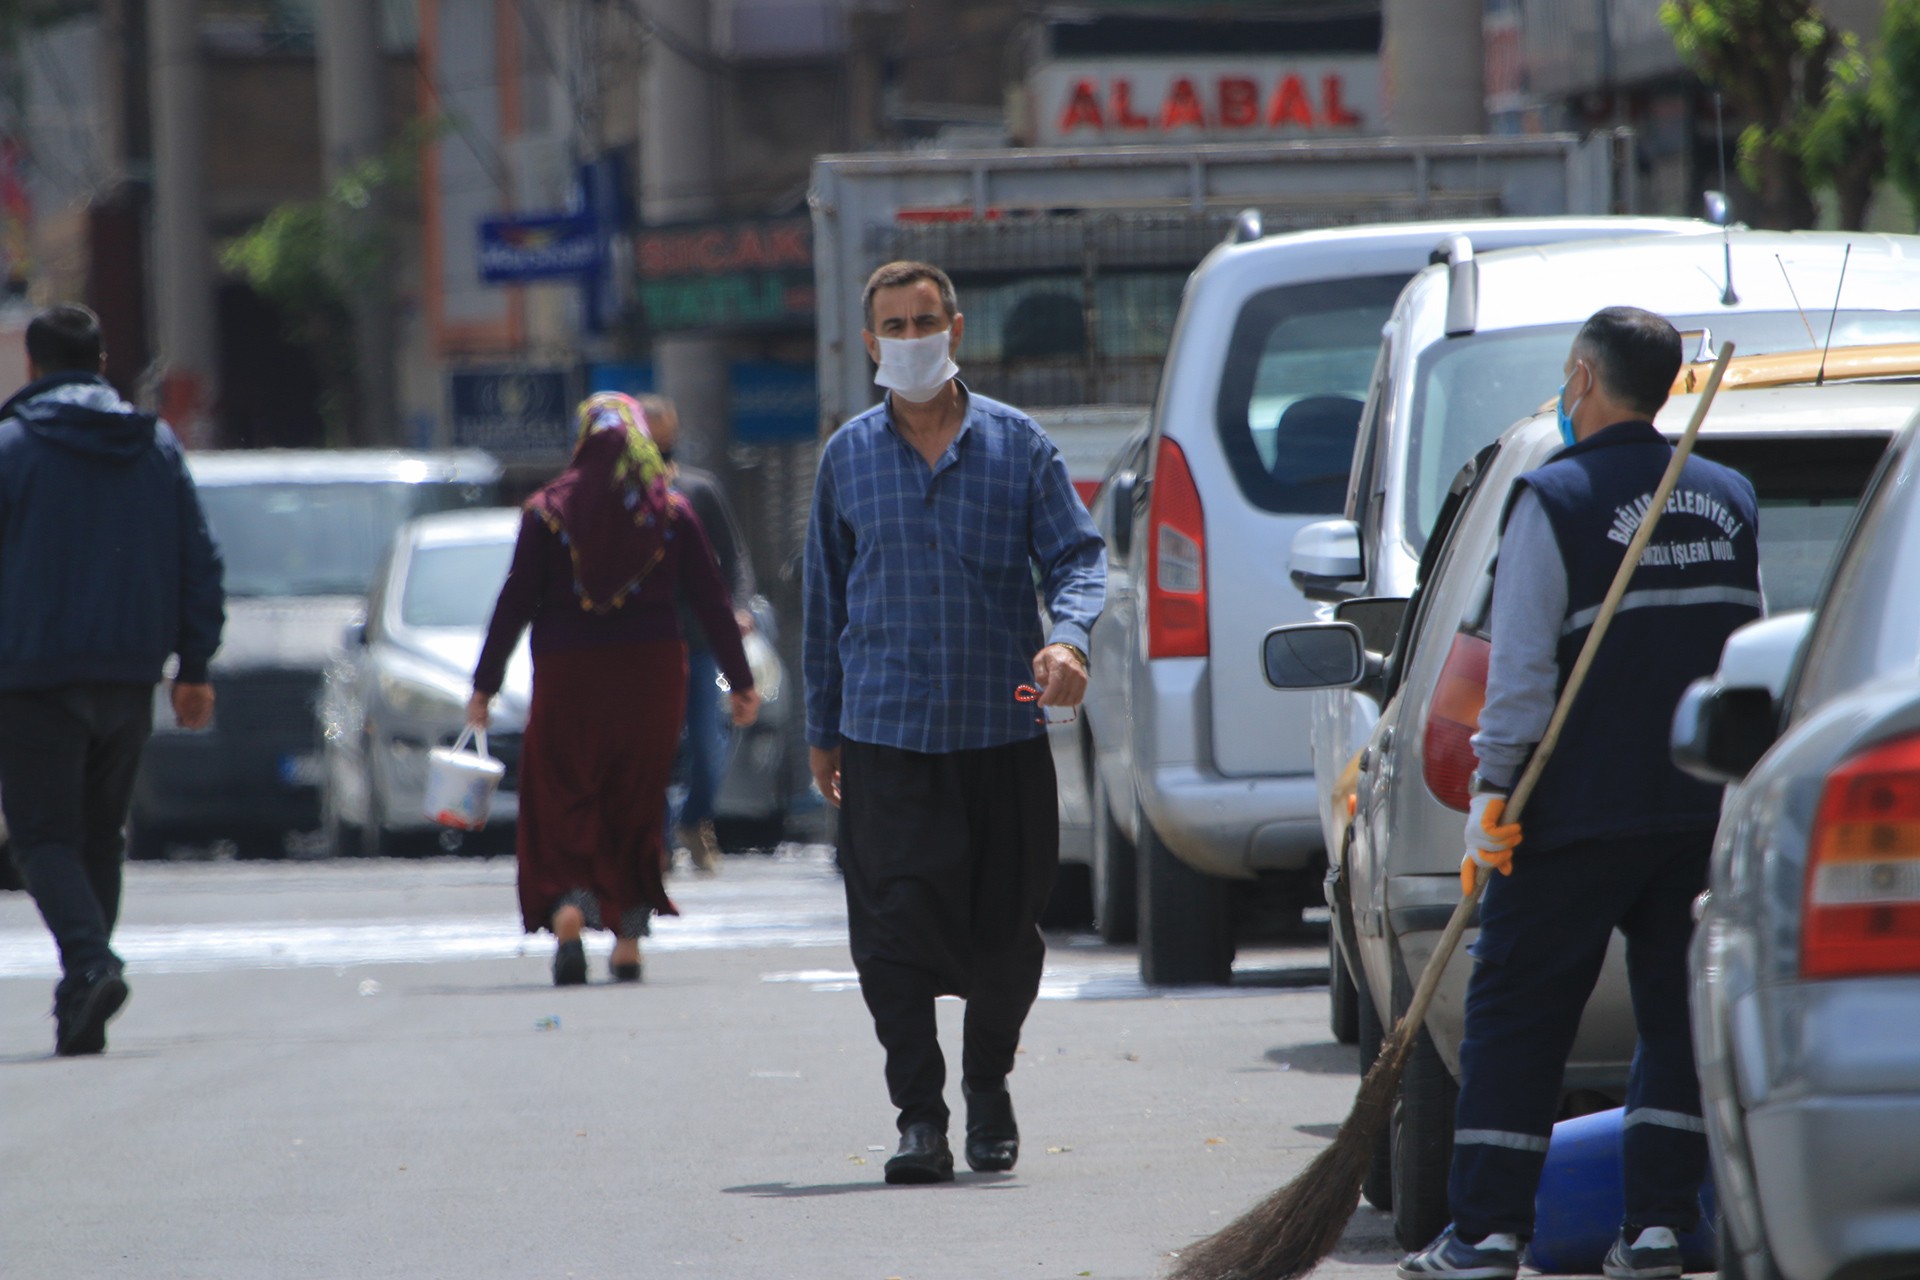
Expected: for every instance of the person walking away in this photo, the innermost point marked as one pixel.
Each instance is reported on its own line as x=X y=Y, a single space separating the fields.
x=706 y=742
x=106 y=571
x=601 y=553
x=1616 y=835
x=930 y=512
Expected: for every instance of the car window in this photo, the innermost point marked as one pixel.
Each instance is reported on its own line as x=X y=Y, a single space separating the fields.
x=1468 y=390
x=1807 y=487
x=1868 y=623
x=1293 y=388
x=454 y=585
x=279 y=539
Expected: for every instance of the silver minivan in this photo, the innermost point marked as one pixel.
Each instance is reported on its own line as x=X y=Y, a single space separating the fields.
x=1809 y=452
x=1198 y=774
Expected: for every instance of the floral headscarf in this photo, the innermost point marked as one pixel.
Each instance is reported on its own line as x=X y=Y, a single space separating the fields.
x=610 y=506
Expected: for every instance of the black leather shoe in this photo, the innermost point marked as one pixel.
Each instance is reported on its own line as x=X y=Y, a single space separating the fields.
x=81 y=1028
x=923 y=1156
x=993 y=1139
x=625 y=972
x=570 y=964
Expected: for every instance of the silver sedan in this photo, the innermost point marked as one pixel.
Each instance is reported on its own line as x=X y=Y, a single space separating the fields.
x=1806 y=962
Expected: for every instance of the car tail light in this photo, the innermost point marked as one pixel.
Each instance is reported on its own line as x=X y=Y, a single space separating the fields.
x=1862 y=910
x=1177 y=583
x=1453 y=718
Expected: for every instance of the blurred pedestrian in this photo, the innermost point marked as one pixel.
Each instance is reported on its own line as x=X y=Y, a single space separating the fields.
x=1616 y=836
x=931 y=512
x=603 y=549
x=705 y=744
x=106 y=571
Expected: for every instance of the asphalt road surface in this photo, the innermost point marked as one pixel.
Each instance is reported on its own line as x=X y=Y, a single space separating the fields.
x=361 y=1069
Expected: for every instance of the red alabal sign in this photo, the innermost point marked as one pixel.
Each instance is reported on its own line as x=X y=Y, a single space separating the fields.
x=1205 y=99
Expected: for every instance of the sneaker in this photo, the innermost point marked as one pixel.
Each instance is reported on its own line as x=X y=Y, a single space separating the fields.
x=81 y=1028
x=1450 y=1258
x=1654 y=1254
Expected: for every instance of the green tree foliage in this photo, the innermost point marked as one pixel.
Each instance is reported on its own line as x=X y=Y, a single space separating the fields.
x=311 y=258
x=1825 y=112
x=1773 y=59
x=1895 y=95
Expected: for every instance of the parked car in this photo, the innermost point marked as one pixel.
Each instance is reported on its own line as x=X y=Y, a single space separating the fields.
x=1809 y=452
x=1806 y=960
x=398 y=686
x=1200 y=776
x=1474 y=343
x=300 y=533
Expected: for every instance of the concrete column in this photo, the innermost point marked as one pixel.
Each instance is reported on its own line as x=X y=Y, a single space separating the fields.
x=182 y=251
x=353 y=121
x=1434 y=59
x=679 y=180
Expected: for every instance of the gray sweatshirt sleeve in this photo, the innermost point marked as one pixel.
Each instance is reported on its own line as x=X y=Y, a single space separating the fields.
x=1523 y=672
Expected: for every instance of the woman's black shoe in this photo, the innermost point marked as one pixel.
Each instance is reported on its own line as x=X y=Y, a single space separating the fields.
x=570 y=964
x=626 y=972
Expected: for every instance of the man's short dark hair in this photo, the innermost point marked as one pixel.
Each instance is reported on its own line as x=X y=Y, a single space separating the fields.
x=895 y=274
x=64 y=339
x=1636 y=355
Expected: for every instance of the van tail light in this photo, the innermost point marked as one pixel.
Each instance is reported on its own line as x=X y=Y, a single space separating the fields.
x=1862 y=909
x=1453 y=718
x=1177 y=580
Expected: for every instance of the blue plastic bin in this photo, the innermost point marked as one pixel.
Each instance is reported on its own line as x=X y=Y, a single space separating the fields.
x=1577 y=1213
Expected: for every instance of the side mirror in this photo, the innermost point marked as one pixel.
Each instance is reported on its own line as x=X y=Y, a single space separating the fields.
x=1314 y=655
x=1120 y=495
x=1378 y=617
x=1325 y=559
x=354 y=634
x=1714 y=207
x=1721 y=731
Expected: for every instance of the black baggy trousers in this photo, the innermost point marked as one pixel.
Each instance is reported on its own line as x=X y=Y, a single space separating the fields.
x=1544 y=932
x=68 y=757
x=948 y=860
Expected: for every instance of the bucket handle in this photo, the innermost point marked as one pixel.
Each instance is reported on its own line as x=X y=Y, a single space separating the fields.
x=466 y=736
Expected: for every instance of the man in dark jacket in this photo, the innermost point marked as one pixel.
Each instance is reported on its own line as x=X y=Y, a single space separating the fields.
x=703 y=750
x=106 y=571
x=1616 y=838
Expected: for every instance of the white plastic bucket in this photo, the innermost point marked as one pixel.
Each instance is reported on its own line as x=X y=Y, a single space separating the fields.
x=461 y=783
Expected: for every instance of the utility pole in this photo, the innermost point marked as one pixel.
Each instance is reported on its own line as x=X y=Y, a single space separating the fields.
x=182 y=250
x=1434 y=58
x=353 y=131
x=679 y=181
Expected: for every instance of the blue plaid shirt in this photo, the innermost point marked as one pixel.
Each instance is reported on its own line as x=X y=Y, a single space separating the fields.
x=922 y=618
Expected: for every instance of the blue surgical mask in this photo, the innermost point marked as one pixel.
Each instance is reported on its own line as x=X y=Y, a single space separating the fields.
x=1566 y=417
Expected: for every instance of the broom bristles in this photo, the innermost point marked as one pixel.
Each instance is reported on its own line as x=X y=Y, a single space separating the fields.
x=1288 y=1234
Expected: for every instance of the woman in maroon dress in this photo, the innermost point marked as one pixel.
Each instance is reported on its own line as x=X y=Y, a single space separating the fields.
x=603 y=550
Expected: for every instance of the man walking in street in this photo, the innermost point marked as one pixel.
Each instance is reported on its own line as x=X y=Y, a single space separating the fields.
x=931 y=512
x=705 y=742
x=1616 y=835
x=106 y=570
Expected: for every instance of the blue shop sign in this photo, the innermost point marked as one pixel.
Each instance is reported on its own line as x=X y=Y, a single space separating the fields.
x=561 y=246
x=774 y=403
x=513 y=413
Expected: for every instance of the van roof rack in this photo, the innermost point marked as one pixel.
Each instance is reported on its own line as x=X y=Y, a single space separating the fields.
x=1786 y=368
x=1463 y=284
x=1246 y=227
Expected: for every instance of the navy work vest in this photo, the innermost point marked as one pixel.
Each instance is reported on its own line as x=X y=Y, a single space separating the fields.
x=1612 y=776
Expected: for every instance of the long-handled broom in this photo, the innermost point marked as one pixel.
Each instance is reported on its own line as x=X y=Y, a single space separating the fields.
x=1287 y=1234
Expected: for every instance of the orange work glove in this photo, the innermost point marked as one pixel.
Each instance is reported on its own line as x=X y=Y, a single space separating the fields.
x=1490 y=843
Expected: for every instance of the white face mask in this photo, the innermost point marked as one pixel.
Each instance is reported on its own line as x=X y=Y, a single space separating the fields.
x=915 y=368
